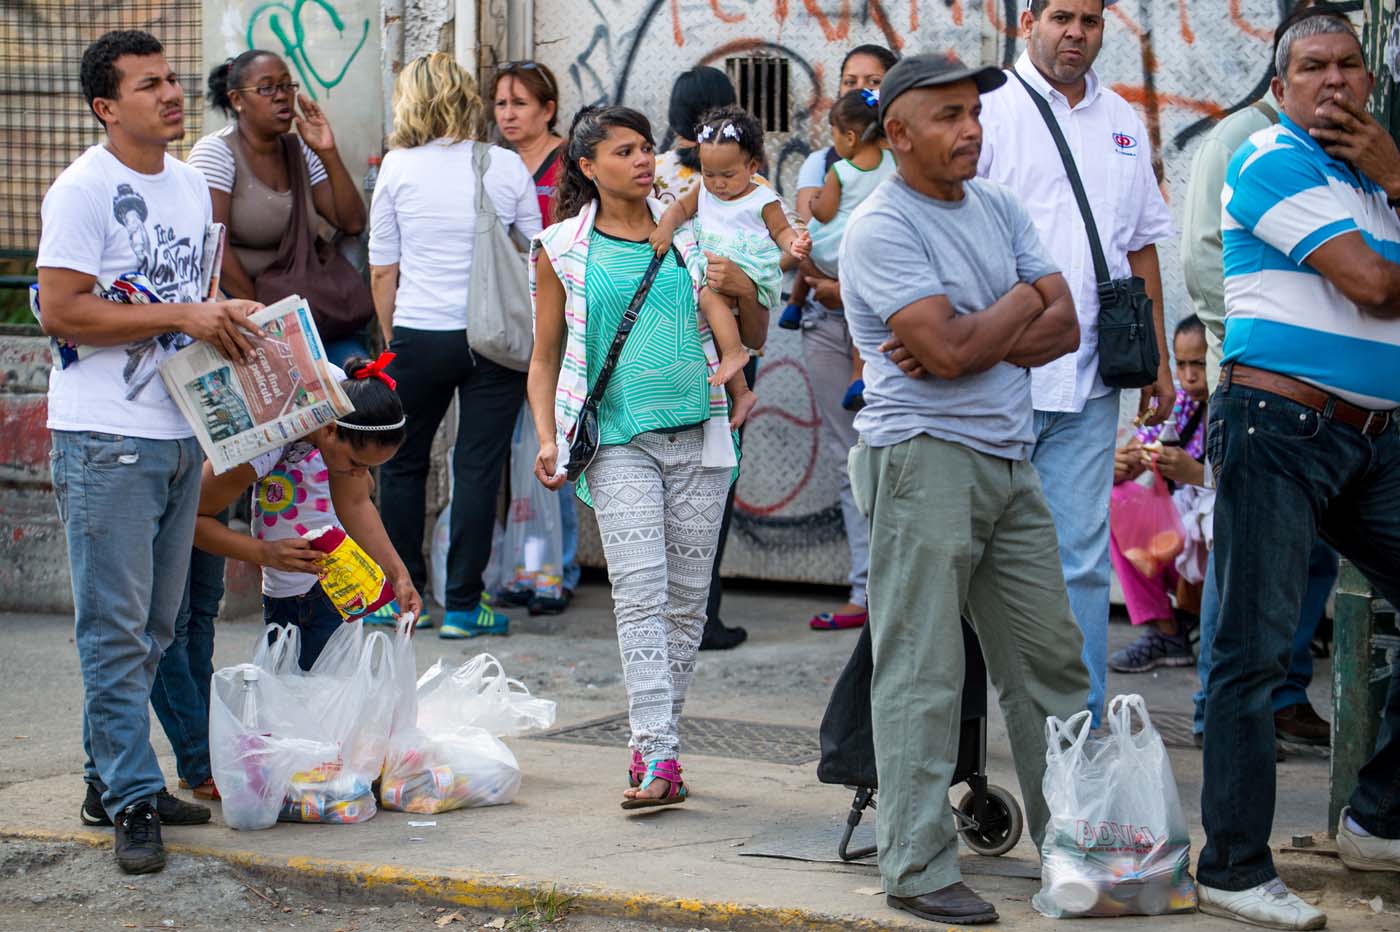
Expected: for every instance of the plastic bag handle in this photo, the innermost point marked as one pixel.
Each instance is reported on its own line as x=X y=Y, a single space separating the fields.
x=1120 y=715
x=1075 y=729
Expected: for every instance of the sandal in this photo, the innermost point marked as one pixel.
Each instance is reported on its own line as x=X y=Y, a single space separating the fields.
x=668 y=770
x=637 y=770
x=830 y=621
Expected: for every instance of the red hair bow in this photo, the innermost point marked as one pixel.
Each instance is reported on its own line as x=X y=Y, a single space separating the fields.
x=375 y=370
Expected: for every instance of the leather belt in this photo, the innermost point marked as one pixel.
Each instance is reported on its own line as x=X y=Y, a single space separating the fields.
x=1371 y=423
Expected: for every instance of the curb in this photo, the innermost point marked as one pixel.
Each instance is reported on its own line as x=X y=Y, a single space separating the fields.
x=491 y=892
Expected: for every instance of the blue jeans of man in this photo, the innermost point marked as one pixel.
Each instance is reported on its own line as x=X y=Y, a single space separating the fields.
x=1074 y=456
x=128 y=508
x=1322 y=576
x=181 y=692
x=1285 y=475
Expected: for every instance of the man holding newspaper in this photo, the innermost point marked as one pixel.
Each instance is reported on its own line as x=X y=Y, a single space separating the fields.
x=125 y=278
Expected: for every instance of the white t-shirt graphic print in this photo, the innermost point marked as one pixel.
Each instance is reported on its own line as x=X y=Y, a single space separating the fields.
x=104 y=219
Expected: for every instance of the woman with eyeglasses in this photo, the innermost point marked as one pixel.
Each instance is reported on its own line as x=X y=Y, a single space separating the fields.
x=248 y=165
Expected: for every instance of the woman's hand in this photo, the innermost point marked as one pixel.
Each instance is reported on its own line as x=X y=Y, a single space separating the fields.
x=546 y=464
x=1176 y=464
x=1127 y=461
x=313 y=127
x=291 y=555
x=726 y=278
x=406 y=594
x=827 y=291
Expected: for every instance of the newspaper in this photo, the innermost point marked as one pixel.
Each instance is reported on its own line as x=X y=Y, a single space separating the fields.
x=242 y=410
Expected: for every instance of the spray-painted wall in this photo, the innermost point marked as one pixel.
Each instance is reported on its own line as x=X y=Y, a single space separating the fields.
x=1182 y=63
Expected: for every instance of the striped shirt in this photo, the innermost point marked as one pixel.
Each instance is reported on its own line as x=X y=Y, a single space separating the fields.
x=212 y=156
x=1283 y=198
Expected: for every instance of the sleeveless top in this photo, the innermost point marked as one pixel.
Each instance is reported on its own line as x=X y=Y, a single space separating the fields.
x=258 y=215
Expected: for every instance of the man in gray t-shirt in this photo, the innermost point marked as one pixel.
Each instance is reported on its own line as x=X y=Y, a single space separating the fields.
x=950 y=268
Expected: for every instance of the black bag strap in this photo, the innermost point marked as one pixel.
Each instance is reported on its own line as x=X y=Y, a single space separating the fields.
x=1193 y=423
x=624 y=327
x=1067 y=157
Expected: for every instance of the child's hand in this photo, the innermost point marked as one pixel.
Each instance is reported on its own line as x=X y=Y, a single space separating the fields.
x=660 y=241
x=801 y=245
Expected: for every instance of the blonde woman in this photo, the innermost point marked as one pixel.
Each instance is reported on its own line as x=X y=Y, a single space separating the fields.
x=420 y=254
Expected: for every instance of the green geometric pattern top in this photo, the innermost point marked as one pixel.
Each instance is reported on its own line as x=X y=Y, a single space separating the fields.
x=661 y=378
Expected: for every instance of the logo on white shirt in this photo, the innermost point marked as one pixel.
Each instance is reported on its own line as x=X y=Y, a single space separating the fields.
x=1125 y=144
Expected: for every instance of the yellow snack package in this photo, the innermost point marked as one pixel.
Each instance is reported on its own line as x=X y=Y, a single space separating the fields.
x=353 y=581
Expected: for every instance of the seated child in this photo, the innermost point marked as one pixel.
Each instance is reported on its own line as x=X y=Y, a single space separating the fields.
x=318 y=481
x=739 y=219
x=1177 y=447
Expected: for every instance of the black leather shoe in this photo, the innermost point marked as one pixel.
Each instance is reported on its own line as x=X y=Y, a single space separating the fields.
x=718 y=636
x=139 y=848
x=172 y=810
x=954 y=905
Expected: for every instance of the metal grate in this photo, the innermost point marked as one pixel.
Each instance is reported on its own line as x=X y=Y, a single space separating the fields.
x=763 y=85
x=44 y=122
x=717 y=737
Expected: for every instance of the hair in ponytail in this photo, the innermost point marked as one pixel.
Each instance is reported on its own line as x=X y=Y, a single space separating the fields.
x=228 y=76
x=591 y=126
x=859 y=112
x=377 y=409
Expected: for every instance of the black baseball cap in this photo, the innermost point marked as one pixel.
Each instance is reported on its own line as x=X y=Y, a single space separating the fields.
x=931 y=70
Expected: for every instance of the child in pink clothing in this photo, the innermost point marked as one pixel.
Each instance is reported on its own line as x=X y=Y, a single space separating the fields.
x=1179 y=458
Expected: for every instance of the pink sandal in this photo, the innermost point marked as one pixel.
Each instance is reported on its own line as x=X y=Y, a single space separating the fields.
x=668 y=770
x=829 y=621
x=637 y=771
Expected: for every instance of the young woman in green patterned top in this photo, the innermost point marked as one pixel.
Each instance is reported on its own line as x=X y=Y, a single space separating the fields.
x=666 y=456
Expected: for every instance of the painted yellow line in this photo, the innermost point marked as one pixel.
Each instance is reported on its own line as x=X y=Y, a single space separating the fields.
x=496 y=893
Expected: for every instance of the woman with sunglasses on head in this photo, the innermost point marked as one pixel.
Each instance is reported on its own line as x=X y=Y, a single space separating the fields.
x=422 y=257
x=248 y=166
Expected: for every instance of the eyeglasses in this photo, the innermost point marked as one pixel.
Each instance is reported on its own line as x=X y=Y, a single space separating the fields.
x=271 y=90
x=509 y=66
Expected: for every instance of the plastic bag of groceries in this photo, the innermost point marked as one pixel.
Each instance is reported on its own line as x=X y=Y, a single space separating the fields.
x=260 y=733
x=1117 y=842
x=441 y=757
x=1144 y=522
x=533 y=550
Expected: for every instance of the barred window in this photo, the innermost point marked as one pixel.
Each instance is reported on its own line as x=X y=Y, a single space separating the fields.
x=763 y=85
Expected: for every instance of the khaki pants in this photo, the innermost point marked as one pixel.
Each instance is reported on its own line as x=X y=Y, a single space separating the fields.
x=956 y=532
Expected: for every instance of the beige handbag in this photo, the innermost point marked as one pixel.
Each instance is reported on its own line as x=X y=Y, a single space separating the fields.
x=499 y=324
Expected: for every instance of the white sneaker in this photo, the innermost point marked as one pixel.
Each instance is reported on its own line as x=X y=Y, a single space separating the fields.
x=1366 y=852
x=1271 y=905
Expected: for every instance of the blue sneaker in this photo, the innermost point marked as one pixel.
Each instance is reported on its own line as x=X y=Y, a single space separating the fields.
x=791 y=318
x=481 y=620
x=384 y=614
x=854 y=399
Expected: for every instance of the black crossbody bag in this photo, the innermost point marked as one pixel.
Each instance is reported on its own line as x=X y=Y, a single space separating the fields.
x=1128 y=354
x=583 y=446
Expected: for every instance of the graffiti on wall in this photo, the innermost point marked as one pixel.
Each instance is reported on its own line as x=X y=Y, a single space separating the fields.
x=288 y=26
x=1182 y=63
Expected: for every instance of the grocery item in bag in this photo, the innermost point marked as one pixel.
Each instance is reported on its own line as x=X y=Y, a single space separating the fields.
x=1117 y=842
x=1145 y=524
x=352 y=581
x=437 y=773
x=533 y=547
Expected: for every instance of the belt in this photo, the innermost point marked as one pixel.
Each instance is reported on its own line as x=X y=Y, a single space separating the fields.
x=1371 y=423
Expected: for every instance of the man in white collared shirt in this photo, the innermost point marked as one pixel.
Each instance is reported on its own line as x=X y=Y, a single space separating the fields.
x=1076 y=415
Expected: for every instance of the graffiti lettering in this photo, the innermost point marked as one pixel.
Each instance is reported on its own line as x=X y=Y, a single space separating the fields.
x=281 y=17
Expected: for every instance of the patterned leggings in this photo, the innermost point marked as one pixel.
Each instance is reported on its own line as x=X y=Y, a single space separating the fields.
x=659 y=514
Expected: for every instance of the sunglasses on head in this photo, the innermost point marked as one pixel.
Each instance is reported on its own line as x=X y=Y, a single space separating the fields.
x=524 y=65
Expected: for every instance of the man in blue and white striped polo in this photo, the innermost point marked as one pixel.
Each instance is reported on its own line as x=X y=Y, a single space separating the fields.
x=1303 y=441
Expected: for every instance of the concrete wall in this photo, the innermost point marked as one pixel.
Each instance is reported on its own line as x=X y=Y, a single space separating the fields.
x=1182 y=63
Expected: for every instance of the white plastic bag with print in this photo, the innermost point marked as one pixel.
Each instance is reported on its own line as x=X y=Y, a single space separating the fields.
x=479 y=694
x=533 y=551
x=1117 y=842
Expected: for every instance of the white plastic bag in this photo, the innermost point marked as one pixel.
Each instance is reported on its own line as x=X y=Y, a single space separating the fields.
x=479 y=694
x=1117 y=842
x=454 y=770
x=533 y=551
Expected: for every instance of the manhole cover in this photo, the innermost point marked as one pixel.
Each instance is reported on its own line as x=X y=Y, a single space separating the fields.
x=718 y=737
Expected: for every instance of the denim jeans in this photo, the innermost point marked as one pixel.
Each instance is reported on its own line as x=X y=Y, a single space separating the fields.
x=181 y=692
x=313 y=612
x=1074 y=457
x=568 y=530
x=128 y=507
x=1322 y=576
x=1285 y=475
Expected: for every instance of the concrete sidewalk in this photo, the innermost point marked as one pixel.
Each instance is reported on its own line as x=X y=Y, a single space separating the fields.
x=683 y=867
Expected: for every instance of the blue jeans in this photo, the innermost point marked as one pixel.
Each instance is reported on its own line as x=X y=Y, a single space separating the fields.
x=338 y=351
x=128 y=508
x=181 y=692
x=1074 y=457
x=1285 y=475
x=312 y=612
x=1322 y=576
x=568 y=528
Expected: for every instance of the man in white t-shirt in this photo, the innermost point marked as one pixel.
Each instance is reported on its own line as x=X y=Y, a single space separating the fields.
x=126 y=466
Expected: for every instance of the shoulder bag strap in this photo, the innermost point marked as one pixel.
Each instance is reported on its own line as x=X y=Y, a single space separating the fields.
x=1067 y=157
x=629 y=317
x=481 y=160
x=1266 y=110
